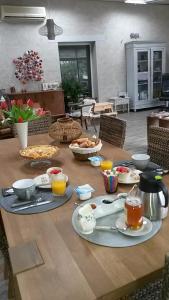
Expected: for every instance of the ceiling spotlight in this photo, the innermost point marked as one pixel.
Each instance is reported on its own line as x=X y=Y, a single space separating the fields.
x=50 y=29
x=135 y=1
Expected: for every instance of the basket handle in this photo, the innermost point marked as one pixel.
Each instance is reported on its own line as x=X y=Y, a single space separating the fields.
x=65 y=120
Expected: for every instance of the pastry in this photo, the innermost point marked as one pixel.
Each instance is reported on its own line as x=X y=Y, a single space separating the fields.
x=39 y=152
x=85 y=143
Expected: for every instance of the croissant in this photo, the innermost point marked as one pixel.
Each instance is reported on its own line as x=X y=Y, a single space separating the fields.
x=84 y=145
x=79 y=141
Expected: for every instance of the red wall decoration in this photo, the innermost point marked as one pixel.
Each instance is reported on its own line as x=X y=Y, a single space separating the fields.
x=29 y=67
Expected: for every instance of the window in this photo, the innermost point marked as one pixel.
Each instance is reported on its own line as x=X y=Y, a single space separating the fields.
x=75 y=63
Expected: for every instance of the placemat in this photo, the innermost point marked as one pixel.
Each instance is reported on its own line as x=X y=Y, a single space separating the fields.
x=129 y=163
x=6 y=202
x=111 y=238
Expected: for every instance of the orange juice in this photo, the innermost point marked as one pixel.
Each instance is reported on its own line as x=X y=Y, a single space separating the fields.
x=106 y=165
x=58 y=187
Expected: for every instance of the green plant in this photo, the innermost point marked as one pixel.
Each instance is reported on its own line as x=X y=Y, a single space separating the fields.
x=72 y=89
x=21 y=112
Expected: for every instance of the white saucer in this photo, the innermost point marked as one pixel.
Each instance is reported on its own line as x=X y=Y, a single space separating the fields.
x=130 y=179
x=46 y=186
x=145 y=229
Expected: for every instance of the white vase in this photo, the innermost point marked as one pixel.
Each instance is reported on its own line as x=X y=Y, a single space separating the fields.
x=22 y=132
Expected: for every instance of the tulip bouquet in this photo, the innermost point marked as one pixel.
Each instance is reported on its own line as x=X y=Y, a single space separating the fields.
x=21 y=112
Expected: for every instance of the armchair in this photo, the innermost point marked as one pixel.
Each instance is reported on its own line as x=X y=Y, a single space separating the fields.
x=83 y=111
x=158 y=145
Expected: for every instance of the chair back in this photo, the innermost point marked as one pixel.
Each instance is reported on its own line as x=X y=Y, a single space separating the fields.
x=89 y=102
x=158 y=145
x=112 y=130
x=165 y=282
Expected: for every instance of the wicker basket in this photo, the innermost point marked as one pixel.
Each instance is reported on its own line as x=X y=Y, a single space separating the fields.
x=65 y=130
x=85 y=153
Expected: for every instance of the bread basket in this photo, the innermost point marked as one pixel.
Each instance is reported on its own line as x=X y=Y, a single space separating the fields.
x=85 y=153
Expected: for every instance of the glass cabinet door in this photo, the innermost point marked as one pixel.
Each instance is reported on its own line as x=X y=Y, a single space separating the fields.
x=157 y=69
x=143 y=75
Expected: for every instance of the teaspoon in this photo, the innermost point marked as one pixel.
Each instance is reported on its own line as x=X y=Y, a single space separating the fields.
x=113 y=228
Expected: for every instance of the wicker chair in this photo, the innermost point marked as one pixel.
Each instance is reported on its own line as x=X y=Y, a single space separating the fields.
x=38 y=126
x=5 y=129
x=112 y=130
x=158 y=145
x=156 y=290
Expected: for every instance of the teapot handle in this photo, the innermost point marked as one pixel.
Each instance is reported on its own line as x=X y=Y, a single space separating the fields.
x=165 y=192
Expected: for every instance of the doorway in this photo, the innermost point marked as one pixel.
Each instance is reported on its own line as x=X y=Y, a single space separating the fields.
x=75 y=64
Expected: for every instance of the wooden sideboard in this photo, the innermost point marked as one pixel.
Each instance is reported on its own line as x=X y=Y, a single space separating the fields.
x=49 y=100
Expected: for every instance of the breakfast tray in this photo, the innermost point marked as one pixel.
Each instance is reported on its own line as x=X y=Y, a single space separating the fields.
x=113 y=239
x=6 y=202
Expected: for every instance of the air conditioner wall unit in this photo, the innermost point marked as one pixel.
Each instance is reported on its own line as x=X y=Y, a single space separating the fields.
x=22 y=13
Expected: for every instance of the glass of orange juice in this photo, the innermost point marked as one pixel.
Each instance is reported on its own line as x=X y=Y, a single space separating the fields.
x=58 y=185
x=106 y=165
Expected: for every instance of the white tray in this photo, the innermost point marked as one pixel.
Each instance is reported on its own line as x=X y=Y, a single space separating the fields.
x=109 y=238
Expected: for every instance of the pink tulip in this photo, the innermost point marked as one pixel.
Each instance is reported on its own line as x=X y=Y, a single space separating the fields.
x=19 y=102
x=13 y=102
x=4 y=105
x=40 y=112
x=30 y=103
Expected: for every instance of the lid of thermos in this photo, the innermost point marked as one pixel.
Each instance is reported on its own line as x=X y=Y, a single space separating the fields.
x=149 y=182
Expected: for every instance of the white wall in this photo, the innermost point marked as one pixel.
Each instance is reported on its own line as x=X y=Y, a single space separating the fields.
x=106 y=23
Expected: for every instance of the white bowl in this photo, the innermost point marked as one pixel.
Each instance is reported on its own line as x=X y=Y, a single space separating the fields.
x=53 y=168
x=85 y=150
x=123 y=176
x=140 y=161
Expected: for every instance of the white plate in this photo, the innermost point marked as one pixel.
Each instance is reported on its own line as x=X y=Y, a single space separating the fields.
x=46 y=186
x=145 y=228
x=131 y=179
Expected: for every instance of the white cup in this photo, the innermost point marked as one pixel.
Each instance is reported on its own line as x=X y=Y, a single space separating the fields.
x=24 y=188
x=140 y=161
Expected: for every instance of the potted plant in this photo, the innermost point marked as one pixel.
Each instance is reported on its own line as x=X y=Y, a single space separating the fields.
x=72 y=90
x=20 y=114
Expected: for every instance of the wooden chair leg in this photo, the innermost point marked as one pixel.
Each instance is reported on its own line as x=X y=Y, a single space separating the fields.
x=11 y=291
x=85 y=120
x=6 y=269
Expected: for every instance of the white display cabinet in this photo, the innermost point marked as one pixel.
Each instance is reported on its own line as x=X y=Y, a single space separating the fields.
x=146 y=62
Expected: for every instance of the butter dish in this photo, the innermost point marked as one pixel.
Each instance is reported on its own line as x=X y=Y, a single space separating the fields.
x=84 y=192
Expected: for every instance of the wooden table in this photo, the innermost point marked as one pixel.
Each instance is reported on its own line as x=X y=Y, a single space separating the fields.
x=73 y=268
